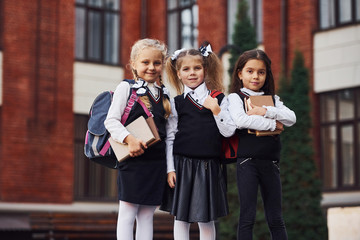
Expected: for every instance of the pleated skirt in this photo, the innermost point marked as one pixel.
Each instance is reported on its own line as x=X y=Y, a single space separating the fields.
x=200 y=191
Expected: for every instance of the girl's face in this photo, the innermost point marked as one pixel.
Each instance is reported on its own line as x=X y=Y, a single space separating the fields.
x=253 y=74
x=191 y=71
x=148 y=64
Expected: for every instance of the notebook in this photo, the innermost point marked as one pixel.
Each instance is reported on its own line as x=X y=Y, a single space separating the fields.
x=260 y=101
x=145 y=130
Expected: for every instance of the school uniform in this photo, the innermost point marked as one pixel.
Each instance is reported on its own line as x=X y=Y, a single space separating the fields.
x=258 y=164
x=193 y=152
x=141 y=179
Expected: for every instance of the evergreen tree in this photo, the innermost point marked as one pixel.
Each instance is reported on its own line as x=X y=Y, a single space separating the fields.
x=244 y=37
x=300 y=181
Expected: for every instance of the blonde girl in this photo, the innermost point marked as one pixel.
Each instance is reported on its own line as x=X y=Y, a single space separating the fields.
x=195 y=128
x=142 y=177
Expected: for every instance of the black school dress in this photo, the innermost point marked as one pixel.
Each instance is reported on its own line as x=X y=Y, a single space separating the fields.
x=200 y=190
x=141 y=180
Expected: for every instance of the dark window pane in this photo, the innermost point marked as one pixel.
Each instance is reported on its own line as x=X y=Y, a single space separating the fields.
x=182 y=25
x=328 y=139
x=347 y=148
x=172 y=28
x=171 y=4
x=327 y=13
x=185 y=2
x=328 y=107
x=97 y=31
x=92 y=181
x=345 y=11
x=346 y=105
x=80 y=33
x=95 y=3
x=112 y=4
x=94 y=36
x=111 y=38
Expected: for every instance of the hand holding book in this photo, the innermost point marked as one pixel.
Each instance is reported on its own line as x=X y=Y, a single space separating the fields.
x=253 y=106
x=143 y=134
x=136 y=146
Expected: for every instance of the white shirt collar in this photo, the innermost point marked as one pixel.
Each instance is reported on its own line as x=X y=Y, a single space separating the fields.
x=153 y=85
x=201 y=90
x=251 y=92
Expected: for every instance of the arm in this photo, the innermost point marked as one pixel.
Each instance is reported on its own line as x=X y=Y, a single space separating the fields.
x=113 y=125
x=171 y=130
x=245 y=121
x=281 y=113
x=221 y=115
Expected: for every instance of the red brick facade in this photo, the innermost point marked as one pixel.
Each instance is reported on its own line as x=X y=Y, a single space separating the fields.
x=213 y=23
x=36 y=154
x=37 y=117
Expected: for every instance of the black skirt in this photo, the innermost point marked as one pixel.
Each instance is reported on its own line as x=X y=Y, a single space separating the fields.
x=200 y=191
x=142 y=181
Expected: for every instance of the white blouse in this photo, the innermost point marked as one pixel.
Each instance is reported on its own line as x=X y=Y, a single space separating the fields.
x=121 y=95
x=267 y=122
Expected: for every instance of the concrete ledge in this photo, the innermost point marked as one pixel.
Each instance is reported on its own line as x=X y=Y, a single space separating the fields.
x=340 y=199
x=73 y=207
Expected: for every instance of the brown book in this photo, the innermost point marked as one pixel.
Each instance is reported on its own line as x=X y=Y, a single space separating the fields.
x=145 y=130
x=260 y=101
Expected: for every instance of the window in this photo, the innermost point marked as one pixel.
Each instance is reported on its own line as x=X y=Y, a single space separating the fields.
x=97 y=31
x=255 y=14
x=340 y=139
x=93 y=182
x=182 y=24
x=335 y=13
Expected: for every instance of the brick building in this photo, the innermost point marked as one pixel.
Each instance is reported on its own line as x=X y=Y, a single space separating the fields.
x=56 y=56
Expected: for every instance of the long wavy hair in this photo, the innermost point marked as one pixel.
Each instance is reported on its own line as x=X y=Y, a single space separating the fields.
x=236 y=82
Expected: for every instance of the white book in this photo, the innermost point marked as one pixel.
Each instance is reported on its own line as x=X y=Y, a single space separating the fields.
x=140 y=128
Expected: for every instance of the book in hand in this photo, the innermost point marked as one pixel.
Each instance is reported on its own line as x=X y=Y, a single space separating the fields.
x=259 y=101
x=140 y=128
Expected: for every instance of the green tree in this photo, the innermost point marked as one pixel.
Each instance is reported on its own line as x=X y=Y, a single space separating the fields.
x=300 y=181
x=244 y=36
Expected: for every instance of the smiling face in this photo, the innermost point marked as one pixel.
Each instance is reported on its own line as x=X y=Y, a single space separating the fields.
x=191 y=71
x=253 y=74
x=148 y=64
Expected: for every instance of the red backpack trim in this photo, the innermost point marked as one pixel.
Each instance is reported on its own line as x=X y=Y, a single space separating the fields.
x=229 y=144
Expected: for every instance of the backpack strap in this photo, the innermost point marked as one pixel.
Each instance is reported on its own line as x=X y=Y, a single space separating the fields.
x=133 y=98
x=215 y=93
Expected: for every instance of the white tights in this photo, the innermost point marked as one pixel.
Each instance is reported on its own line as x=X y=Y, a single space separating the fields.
x=182 y=230
x=143 y=214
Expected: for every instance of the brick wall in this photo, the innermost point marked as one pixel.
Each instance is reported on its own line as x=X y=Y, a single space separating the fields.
x=301 y=22
x=156 y=19
x=272 y=34
x=300 y=25
x=37 y=116
x=130 y=30
x=213 y=23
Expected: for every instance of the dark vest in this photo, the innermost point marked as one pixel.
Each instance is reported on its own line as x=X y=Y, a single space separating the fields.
x=198 y=135
x=265 y=147
x=156 y=151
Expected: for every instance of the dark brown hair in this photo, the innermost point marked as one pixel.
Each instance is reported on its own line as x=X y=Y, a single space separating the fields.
x=236 y=82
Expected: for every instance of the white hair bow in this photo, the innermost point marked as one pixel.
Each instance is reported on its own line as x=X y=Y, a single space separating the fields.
x=205 y=50
x=176 y=53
